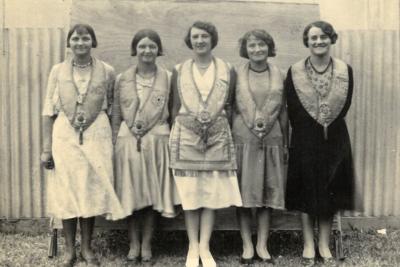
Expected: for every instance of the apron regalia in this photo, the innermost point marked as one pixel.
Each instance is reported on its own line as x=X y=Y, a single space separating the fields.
x=204 y=123
x=324 y=110
x=141 y=120
x=82 y=109
x=259 y=120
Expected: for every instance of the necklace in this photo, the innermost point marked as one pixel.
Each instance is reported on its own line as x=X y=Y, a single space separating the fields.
x=82 y=66
x=203 y=66
x=259 y=71
x=320 y=72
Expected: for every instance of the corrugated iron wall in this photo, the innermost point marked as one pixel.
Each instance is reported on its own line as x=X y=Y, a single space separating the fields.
x=374 y=117
x=29 y=55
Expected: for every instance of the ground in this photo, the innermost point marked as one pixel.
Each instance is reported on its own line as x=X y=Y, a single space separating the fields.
x=362 y=248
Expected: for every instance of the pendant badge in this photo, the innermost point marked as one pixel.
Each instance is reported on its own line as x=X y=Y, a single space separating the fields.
x=80 y=122
x=204 y=117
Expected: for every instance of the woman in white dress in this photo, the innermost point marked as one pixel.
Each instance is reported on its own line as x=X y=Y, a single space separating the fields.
x=202 y=151
x=77 y=144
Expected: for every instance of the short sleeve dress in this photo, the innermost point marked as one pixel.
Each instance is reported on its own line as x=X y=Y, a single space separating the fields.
x=320 y=173
x=202 y=152
x=258 y=137
x=143 y=177
x=82 y=182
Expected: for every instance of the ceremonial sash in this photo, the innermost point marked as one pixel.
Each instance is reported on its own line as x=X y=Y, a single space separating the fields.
x=202 y=114
x=323 y=110
x=82 y=109
x=141 y=120
x=259 y=120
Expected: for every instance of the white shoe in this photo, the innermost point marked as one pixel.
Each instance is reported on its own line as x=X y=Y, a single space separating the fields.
x=192 y=262
x=208 y=260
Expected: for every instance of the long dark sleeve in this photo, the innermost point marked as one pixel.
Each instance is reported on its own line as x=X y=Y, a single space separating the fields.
x=174 y=103
x=229 y=105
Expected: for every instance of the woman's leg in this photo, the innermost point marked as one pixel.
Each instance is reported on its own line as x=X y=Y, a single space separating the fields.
x=147 y=233
x=69 y=228
x=325 y=227
x=263 y=221
x=87 y=226
x=207 y=219
x=244 y=216
x=134 y=235
x=307 y=222
x=192 y=221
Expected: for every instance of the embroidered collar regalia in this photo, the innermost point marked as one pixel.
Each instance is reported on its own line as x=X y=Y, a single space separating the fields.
x=140 y=119
x=323 y=106
x=82 y=109
x=203 y=116
x=259 y=119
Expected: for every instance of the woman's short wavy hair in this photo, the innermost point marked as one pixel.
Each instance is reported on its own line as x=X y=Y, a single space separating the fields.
x=205 y=26
x=149 y=33
x=259 y=34
x=325 y=27
x=82 y=29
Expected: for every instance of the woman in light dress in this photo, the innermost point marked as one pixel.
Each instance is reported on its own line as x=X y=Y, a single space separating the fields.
x=260 y=132
x=202 y=151
x=140 y=120
x=78 y=143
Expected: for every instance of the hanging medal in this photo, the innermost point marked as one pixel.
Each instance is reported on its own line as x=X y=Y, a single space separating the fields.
x=80 y=122
x=139 y=129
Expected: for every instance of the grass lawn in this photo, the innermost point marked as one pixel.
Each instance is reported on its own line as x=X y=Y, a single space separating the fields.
x=169 y=248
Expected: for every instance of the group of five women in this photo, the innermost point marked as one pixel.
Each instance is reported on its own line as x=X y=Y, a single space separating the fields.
x=206 y=136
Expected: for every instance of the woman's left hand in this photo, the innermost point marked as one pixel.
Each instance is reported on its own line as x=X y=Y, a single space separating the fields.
x=285 y=155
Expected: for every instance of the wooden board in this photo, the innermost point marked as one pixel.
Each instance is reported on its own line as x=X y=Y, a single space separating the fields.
x=116 y=22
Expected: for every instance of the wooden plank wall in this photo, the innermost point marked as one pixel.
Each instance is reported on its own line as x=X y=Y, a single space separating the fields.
x=115 y=23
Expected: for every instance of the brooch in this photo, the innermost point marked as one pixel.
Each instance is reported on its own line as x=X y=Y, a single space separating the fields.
x=158 y=100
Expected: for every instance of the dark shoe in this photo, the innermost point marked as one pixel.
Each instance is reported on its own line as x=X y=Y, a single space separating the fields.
x=307 y=262
x=329 y=262
x=90 y=261
x=147 y=260
x=68 y=262
x=269 y=261
x=246 y=261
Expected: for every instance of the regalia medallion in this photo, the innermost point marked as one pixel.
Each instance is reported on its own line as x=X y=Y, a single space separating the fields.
x=259 y=125
x=204 y=117
x=139 y=125
x=80 y=119
x=324 y=111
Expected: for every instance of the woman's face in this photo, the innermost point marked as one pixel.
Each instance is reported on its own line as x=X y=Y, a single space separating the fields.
x=201 y=41
x=80 y=43
x=319 y=42
x=147 y=50
x=257 y=49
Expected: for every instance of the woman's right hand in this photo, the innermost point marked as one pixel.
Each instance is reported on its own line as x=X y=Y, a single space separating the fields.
x=46 y=159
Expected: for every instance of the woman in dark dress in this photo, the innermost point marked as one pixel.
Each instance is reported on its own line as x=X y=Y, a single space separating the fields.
x=320 y=175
